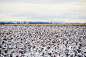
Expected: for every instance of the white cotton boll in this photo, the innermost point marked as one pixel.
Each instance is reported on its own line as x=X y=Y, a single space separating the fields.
x=14 y=55
x=20 y=54
x=10 y=46
x=36 y=54
x=43 y=40
x=14 y=46
x=79 y=54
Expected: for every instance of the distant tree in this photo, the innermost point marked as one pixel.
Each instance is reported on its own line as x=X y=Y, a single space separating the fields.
x=55 y=23
x=18 y=22
x=24 y=22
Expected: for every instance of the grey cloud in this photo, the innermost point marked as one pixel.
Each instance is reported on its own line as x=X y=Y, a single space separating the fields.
x=33 y=16
x=82 y=17
x=66 y=15
x=40 y=1
x=43 y=0
x=38 y=16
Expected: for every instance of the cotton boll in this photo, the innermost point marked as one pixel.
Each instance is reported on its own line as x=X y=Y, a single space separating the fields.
x=40 y=41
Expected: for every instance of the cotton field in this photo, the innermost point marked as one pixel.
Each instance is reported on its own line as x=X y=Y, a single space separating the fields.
x=42 y=41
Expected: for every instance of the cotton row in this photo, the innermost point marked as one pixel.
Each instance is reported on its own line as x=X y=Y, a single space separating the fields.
x=43 y=41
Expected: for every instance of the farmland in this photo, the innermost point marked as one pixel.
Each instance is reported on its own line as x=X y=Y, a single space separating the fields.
x=43 y=40
x=44 y=24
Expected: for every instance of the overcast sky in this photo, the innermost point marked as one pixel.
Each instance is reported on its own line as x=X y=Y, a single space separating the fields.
x=43 y=10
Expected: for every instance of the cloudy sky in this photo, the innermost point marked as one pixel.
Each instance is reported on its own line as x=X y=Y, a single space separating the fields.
x=43 y=10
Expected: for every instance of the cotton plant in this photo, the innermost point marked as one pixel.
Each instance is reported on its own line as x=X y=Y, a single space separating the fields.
x=43 y=41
